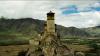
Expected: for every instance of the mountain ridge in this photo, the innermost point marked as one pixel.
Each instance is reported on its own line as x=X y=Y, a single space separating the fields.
x=31 y=27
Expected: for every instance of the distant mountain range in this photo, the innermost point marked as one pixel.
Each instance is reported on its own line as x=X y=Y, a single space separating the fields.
x=93 y=31
x=28 y=28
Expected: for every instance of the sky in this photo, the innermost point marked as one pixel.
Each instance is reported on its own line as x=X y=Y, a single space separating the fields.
x=76 y=13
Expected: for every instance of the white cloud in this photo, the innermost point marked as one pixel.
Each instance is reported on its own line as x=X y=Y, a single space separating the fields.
x=38 y=10
x=83 y=19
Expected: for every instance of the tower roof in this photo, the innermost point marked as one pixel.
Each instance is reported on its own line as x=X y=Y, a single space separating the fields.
x=50 y=13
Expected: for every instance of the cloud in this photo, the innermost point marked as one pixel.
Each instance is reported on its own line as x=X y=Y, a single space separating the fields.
x=74 y=8
x=81 y=20
x=73 y=13
x=70 y=9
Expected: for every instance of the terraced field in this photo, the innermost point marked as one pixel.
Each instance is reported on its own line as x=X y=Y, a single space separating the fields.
x=12 y=50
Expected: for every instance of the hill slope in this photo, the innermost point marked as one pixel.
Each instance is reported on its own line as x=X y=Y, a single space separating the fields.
x=93 y=31
x=26 y=28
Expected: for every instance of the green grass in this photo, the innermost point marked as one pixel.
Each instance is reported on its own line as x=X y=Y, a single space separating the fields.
x=12 y=38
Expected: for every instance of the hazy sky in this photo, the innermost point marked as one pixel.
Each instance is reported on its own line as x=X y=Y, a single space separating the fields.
x=78 y=13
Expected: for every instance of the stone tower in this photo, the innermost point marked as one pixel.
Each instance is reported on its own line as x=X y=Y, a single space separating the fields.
x=48 y=43
x=49 y=37
x=50 y=22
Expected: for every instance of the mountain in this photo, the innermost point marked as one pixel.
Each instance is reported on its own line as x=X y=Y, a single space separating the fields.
x=71 y=31
x=26 y=28
x=93 y=31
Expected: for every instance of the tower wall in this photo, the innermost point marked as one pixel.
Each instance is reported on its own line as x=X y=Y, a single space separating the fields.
x=50 y=22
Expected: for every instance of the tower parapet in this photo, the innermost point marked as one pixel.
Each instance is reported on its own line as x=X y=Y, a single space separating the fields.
x=50 y=15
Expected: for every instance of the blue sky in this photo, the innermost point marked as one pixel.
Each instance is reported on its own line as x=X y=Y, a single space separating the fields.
x=70 y=9
x=77 y=13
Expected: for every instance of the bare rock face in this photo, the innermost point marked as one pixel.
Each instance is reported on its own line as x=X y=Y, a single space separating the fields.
x=48 y=47
x=48 y=42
